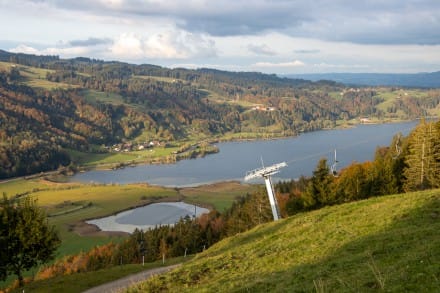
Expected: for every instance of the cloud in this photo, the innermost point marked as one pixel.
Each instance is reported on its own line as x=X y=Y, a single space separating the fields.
x=340 y=66
x=24 y=49
x=169 y=44
x=173 y=44
x=295 y=63
x=261 y=49
x=364 y=22
x=313 y=51
x=63 y=51
x=89 y=42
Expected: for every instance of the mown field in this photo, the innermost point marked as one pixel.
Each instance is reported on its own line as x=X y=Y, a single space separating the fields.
x=388 y=243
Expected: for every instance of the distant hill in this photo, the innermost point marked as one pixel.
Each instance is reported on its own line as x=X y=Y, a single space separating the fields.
x=388 y=243
x=422 y=80
x=51 y=106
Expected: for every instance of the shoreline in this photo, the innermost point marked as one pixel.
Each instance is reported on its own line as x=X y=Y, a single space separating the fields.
x=174 y=158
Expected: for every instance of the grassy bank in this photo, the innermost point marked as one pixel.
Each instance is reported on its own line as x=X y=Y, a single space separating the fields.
x=387 y=243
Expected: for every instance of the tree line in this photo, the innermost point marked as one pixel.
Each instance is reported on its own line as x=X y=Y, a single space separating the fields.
x=410 y=163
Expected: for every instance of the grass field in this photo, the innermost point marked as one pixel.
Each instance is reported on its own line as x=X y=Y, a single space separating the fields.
x=109 y=159
x=390 y=96
x=35 y=77
x=159 y=78
x=72 y=203
x=388 y=243
x=68 y=204
x=93 y=96
x=218 y=195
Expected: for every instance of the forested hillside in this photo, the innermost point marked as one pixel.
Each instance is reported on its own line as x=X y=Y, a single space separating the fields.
x=49 y=106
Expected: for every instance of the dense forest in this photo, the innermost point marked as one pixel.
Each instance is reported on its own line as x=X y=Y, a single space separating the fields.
x=49 y=106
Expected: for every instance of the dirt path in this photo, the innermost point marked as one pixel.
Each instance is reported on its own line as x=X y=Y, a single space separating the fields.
x=116 y=286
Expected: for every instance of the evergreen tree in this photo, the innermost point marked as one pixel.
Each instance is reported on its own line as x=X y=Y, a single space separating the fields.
x=26 y=238
x=423 y=167
x=319 y=190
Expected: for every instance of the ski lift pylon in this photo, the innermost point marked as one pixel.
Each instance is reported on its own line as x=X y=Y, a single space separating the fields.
x=333 y=168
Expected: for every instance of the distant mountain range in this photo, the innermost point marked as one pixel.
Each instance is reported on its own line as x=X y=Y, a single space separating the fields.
x=422 y=80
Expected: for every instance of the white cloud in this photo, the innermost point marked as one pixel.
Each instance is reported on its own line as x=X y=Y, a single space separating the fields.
x=127 y=45
x=341 y=66
x=171 y=44
x=64 y=52
x=24 y=49
x=295 y=63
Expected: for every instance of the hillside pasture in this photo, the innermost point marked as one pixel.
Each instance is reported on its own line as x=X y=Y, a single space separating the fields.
x=388 y=243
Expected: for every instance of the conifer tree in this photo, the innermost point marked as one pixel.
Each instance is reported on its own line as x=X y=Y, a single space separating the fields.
x=319 y=190
x=423 y=165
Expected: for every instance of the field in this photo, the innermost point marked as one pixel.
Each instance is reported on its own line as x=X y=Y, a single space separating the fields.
x=109 y=160
x=93 y=96
x=69 y=204
x=388 y=243
x=218 y=195
x=390 y=96
x=35 y=77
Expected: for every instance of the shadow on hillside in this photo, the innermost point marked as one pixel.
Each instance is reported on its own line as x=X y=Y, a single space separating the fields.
x=404 y=257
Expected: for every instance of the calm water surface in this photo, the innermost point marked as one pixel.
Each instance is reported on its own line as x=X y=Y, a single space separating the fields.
x=150 y=216
x=236 y=158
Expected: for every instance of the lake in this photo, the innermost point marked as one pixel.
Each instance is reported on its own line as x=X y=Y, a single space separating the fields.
x=301 y=154
x=150 y=216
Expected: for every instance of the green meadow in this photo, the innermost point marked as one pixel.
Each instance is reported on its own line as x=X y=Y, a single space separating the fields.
x=388 y=243
x=69 y=204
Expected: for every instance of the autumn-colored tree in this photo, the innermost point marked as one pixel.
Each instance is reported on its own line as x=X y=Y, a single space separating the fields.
x=423 y=164
x=355 y=182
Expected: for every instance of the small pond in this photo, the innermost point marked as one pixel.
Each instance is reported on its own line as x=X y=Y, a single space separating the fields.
x=165 y=213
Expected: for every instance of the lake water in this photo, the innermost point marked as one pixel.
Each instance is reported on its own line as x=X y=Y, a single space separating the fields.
x=301 y=154
x=166 y=213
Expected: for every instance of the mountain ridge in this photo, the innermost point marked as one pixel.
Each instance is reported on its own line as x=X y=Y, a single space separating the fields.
x=422 y=79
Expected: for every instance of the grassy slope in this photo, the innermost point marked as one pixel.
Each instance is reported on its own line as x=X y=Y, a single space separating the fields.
x=390 y=243
x=219 y=195
x=35 y=77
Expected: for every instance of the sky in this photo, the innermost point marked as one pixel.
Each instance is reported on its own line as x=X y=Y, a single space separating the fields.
x=271 y=36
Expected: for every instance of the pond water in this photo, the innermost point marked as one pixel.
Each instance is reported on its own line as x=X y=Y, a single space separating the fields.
x=301 y=153
x=166 y=213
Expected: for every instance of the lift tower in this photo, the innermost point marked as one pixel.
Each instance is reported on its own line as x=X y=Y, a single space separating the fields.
x=266 y=172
